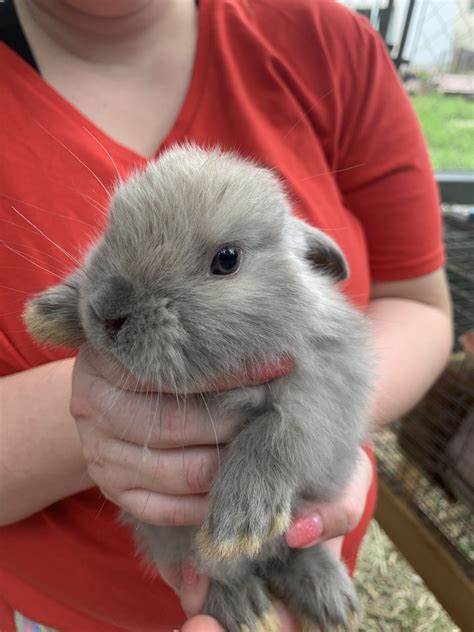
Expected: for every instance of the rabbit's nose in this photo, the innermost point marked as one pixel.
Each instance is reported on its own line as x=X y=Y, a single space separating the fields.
x=114 y=324
x=112 y=302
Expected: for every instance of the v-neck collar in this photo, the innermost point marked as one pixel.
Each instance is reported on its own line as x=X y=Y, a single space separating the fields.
x=71 y=112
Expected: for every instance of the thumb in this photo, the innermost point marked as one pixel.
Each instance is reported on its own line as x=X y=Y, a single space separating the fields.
x=202 y=623
x=326 y=520
x=193 y=591
x=190 y=587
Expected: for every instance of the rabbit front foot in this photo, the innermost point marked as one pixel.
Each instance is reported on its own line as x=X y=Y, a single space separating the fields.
x=243 y=606
x=214 y=547
x=243 y=517
x=309 y=626
x=317 y=589
x=328 y=602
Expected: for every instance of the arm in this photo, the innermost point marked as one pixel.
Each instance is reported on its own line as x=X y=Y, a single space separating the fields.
x=412 y=327
x=41 y=458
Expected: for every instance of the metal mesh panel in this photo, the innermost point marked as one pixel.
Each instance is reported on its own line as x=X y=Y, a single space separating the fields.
x=428 y=456
x=459 y=242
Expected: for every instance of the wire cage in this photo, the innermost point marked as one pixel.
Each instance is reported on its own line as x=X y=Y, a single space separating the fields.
x=427 y=458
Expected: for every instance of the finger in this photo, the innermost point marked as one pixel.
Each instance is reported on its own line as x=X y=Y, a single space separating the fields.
x=122 y=466
x=324 y=521
x=191 y=587
x=335 y=544
x=288 y=622
x=253 y=374
x=163 y=510
x=194 y=590
x=156 y=420
x=202 y=623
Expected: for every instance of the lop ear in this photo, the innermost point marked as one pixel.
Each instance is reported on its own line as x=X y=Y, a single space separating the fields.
x=53 y=316
x=321 y=251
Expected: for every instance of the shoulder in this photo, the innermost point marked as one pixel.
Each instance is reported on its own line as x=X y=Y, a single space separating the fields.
x=321 y=28
x=292 y=10
x=295 y=16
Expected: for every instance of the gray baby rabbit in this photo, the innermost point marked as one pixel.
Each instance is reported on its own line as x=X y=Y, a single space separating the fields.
x=201 y=271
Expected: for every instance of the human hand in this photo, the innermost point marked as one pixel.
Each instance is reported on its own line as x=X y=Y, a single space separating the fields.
x=165 y=483
x=327 y=522
x=330 y=521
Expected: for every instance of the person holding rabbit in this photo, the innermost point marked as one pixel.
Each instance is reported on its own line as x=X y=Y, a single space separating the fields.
x=90 y=92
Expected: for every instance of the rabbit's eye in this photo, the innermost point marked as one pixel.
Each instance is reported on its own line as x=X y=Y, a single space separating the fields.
x=226 y=261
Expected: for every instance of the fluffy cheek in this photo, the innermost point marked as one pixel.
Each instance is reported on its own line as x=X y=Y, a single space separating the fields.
x=151 y=345
x=53 y=318
x=47 y=330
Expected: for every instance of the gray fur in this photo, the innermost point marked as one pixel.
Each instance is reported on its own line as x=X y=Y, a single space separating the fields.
x=305 y=580
x=181 y=327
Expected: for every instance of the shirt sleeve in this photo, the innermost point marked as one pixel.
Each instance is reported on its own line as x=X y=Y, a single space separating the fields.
x=383 y=169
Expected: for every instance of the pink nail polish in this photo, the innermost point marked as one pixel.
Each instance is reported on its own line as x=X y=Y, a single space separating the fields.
x=190 y=577
x=304 y=532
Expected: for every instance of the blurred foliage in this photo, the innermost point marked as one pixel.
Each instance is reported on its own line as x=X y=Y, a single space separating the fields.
x=448 y=125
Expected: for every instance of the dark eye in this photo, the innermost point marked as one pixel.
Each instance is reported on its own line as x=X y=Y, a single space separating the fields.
x=226 y=261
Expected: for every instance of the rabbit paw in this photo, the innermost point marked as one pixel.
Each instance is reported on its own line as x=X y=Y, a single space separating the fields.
x=243 y=517
x=317 y=588
x=243 y=606
x=332 y=605
x=351 y=625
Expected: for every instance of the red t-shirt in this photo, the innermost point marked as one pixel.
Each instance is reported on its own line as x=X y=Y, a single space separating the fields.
x=305 y=87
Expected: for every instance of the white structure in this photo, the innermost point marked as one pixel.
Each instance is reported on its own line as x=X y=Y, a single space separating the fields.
x=438 y=27
x=464 y=25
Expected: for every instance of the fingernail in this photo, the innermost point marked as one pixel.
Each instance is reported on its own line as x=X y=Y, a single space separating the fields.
x=190 y=577
x=304 y=532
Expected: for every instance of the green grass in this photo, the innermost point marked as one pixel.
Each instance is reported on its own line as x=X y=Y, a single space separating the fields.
x=448 y=124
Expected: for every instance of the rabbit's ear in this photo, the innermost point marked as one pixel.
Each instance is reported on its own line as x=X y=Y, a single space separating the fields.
x=53 y=316
x=322 y=252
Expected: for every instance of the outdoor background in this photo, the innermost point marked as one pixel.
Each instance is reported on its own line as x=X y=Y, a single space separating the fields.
x=439 y=44
x=432 y=44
